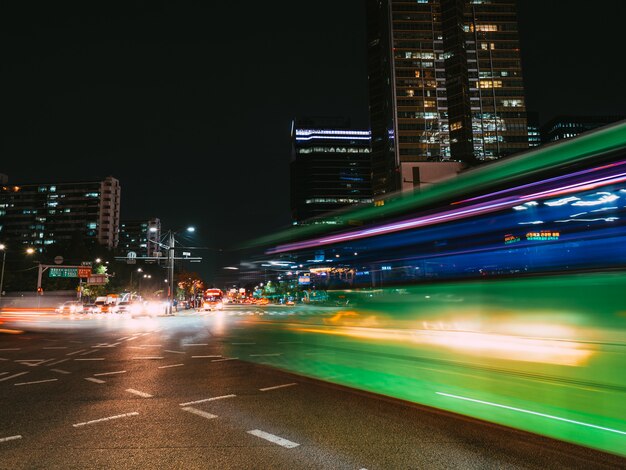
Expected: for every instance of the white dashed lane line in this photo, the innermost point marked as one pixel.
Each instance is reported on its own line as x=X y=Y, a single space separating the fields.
x=36 y=382
x=203 y=357
x=195 y=411
x=272 y=438
x=195 y=344
x=137 y=392
x=134 y=413
x=277 y=386
x=110 y=373
x=12 y=376
x=225 y=359
x=175 y=352
x=91 y=359
x=56 y=347
x=75 y=352
x=207 y=399
x=60 y=371
x=148 y=357
x=10 y=438
x=97 y=381
x=59 y=362
x=171 y=365
x=10 y=349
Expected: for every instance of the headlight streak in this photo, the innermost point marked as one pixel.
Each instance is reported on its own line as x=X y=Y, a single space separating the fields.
x=536 y=413
x=450 y=215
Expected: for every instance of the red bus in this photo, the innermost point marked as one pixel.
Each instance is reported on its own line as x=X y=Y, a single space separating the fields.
x=212 y=299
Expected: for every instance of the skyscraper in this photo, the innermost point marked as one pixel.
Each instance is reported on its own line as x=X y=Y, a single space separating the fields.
x=445 y=83
x=329 y=167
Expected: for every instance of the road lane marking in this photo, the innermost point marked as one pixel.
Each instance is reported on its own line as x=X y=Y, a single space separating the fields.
x=91 y=359
x=241 y=343
x=137 y=392
x=59 y=362
x=225 y=359
x=33 y=362
x=203 y=357
x=56 y=347
x=195 y=411
x=89 y=352
x=264 y=355
x=277 y=386
x=10 y=438
x=152 y=345
x=132 y=338
x=171 y=365
x=14 y=375
x=134 y=413
x=3 y=373
x=207 y=399
x=75 y=352
x=536 y=413
x=272 y=438
x=97 y=381
x=10 y=349
x=60 y=371
x=110 y=373
x=194 y=344
x=36 y=382
x=121 y=339
x=148 y=357
x=175 y=352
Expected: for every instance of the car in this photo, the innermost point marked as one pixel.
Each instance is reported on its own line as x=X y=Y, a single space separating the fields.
x=91 y=308
x=71 y=306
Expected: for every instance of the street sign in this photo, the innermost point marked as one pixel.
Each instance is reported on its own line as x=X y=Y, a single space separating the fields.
x=97 y=280
x=63 y=272
x=58 y=260
x=131 y=257
x=85 y=263
x=84 y=271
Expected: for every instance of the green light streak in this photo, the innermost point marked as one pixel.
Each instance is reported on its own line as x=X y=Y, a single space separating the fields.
x=532 y=413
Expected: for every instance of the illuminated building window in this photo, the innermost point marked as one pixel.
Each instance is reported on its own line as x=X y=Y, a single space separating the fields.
x=456 y=125
x=490 y=83
x=485 y=27
x=417 y=74
x=429 y=103
x=410 y=92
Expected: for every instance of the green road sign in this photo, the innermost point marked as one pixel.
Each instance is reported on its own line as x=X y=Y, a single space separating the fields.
x=63 y=272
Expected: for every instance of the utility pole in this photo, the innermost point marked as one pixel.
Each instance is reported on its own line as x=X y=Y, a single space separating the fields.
x=170 y=281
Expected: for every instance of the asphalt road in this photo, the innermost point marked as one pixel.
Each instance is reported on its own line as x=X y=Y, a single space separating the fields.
x=111 y=391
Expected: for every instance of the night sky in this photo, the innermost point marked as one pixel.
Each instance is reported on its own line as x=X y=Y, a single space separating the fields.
x=189 y=104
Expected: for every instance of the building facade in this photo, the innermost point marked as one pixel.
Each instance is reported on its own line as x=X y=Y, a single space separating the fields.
x=445 y=83
x=567 y=126
x=41 y=215
x=330 y=167
x=140 y=237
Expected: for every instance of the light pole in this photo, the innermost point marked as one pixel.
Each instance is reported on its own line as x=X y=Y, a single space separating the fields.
x=4 y=257
x=171 y=241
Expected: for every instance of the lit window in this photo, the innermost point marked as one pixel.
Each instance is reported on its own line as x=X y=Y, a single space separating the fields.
x=490 y=83
x=456 y=125
x=485 y=27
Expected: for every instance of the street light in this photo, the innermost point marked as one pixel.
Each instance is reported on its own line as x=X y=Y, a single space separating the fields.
x=4 y=257
x=170 y=283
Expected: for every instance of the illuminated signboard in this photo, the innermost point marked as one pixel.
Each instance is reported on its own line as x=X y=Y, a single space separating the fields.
x=510 y=238
x=63 y=272
x=304 y=280
x=543 y=235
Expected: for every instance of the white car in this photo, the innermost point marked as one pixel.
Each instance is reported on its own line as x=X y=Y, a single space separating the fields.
x=71 y=306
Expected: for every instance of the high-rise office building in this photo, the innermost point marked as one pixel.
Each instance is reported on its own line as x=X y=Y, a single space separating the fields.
x=140 y=236
x=330 y=167
x=445 y=83
x=566 y=126
x=41 y=215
